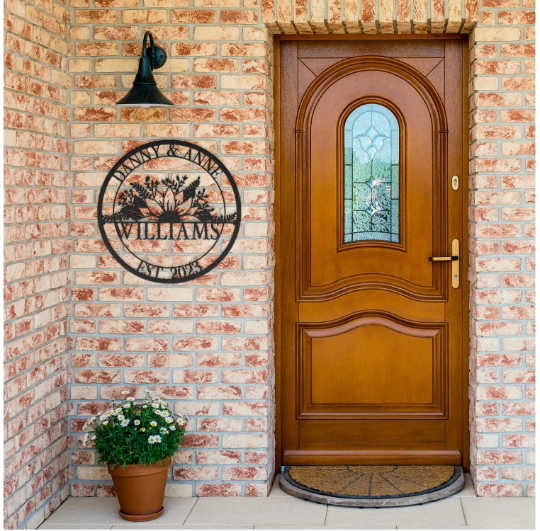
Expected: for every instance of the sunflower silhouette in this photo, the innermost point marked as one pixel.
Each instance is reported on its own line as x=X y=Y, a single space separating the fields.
x=165 y=201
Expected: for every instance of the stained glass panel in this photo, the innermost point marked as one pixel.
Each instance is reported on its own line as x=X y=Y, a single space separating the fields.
x=371 y=180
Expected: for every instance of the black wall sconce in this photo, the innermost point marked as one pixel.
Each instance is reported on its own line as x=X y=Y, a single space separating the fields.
x=144 y=92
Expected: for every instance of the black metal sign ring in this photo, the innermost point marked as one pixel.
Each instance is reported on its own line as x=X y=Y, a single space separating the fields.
x=169 y=218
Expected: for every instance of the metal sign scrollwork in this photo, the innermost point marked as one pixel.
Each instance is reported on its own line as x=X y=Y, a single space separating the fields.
x=169 y=211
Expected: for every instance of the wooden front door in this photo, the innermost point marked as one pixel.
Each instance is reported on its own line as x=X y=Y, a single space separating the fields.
x=371 y=328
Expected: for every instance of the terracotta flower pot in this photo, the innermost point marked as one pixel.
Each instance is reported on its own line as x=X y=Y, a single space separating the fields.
x=140 y=490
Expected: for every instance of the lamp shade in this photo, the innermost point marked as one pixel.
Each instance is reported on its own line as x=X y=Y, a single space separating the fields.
x=144 y=91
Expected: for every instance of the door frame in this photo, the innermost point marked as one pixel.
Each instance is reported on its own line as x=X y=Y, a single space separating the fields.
x=278 y=39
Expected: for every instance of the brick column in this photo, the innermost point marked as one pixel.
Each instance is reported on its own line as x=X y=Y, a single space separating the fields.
x=502 y=247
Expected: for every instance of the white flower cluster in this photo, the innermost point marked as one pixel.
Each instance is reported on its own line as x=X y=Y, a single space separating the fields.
x=159 y=407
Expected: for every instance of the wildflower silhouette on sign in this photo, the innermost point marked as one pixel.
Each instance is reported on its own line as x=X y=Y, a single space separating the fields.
x=166 y=201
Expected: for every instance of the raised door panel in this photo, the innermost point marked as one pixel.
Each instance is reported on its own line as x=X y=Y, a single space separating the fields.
x=372 y=366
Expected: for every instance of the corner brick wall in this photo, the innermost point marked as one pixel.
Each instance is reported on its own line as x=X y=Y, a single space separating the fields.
x=36 y=245
x=205 y=345
x=502 y=247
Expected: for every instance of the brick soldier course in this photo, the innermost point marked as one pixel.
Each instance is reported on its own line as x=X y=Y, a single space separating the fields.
x=80 y=329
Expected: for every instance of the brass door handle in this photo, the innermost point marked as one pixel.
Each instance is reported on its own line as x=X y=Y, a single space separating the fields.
x=455 y=262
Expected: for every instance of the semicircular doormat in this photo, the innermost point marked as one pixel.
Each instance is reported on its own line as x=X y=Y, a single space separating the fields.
x=372 y=485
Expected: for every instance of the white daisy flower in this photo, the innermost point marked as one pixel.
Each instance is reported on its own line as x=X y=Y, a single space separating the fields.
x=85 y=439
x=104 y=417
x=121 y=417
x=93 y=437
x=172 y=428
x=125 y=423
x=130 y=398
x=152 y=439
x=180 y=421
x=143 y=429
x=157 y=438
x=125 y=392
x=118 y=410
x=144 y=406
x=128 y=405
x=136 y=422
x=105 y=423
x=168 y=420
x=155 y=406
x=164 y=430
x=153 y=424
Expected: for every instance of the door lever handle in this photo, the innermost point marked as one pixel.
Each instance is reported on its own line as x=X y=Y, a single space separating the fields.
x=455 y=262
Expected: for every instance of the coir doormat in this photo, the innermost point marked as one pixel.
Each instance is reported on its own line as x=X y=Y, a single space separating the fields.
x=372 y=485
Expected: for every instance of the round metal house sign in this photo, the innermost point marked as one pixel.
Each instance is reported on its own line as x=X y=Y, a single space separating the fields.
x=169 y=211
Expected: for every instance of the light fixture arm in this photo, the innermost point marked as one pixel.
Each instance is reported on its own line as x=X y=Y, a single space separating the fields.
x=155 y=53
x=145 y=38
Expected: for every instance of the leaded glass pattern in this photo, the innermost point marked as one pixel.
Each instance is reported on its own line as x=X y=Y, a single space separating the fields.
x=371 y=187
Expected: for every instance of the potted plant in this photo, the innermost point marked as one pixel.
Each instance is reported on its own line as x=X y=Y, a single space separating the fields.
x=136 y=440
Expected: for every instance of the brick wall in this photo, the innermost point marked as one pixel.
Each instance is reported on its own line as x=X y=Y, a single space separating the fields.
x=36 y=181
x=205 y=345
x=502 y=248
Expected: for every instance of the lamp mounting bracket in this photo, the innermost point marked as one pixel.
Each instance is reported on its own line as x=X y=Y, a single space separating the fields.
x=158 y=57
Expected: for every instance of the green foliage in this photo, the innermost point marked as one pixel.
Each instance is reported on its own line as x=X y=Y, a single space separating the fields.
x=131 y=433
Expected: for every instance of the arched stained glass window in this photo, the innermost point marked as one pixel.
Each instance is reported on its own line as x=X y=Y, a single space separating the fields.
x=371 y=187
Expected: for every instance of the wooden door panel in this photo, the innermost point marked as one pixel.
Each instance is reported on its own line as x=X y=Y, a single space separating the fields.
x=372 y=366
x=371 y=330
x=344 y=369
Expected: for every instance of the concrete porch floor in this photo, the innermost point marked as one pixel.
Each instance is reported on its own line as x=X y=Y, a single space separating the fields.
x=280 y=510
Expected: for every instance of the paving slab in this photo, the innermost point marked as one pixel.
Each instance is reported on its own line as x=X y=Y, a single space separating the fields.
x=282 y=511
x=443 y=514
x=150 y=525
x=468 y=489
x=499 y=513
x=276 y=490
x=429 y=527
x=232 y=512
x=80 y=513
x=73 y=526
